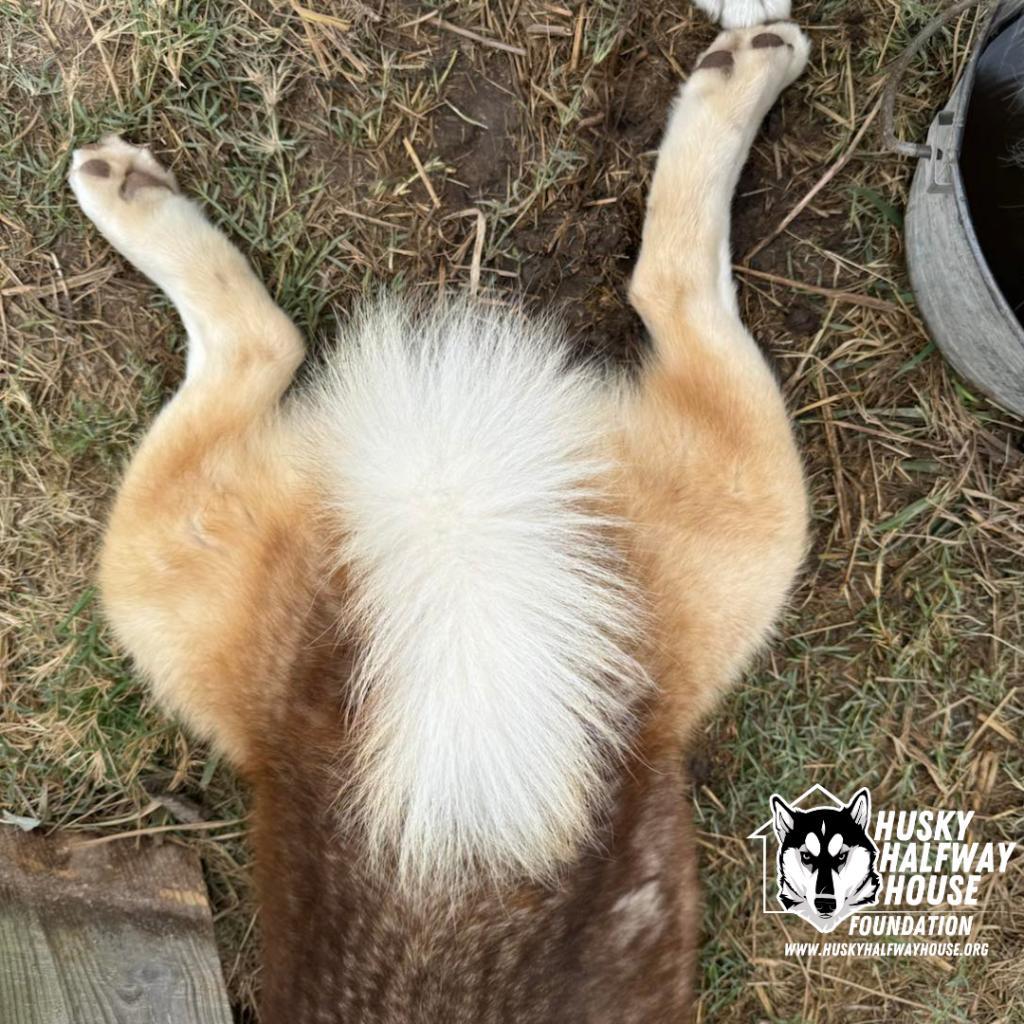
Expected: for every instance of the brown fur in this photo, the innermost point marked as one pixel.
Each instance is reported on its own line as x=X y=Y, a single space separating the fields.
x=215 y=575
x=340 y=944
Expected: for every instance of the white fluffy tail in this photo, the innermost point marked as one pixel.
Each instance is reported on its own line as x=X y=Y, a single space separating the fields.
x=464 y=462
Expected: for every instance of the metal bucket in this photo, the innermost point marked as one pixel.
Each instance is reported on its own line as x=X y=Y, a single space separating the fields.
x=962 y=305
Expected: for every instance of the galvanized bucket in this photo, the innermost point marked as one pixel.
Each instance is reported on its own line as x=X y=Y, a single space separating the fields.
x=963 y=307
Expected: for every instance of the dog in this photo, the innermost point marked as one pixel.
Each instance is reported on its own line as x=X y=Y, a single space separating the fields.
x=454 y=610
x=826 y=862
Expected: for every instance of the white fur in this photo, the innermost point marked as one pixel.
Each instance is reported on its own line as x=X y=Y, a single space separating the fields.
x=744 y=13
x=464 y=466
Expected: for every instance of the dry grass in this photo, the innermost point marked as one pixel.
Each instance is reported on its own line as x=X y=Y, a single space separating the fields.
x=351 y=148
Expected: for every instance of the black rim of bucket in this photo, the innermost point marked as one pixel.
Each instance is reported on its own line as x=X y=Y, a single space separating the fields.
x=1000 y=17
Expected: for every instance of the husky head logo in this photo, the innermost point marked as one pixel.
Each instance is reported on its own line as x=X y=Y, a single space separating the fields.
x=826 y=860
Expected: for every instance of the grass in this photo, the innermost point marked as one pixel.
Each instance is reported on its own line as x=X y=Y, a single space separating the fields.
x=900 y=663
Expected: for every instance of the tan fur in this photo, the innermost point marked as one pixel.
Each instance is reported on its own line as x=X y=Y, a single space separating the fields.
x=213 y=575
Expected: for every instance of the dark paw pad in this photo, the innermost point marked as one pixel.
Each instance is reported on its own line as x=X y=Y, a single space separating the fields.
x=766 y=39
x=135 y=180
x=97 y=168
x=717 y=59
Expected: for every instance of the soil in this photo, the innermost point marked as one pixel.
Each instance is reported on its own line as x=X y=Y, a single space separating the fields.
x=575 y=249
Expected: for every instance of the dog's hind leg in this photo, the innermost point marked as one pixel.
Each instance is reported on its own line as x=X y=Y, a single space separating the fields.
x=711 y=470
x=204 y=554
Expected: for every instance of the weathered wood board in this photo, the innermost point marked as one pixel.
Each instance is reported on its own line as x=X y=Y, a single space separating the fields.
x=105 y=934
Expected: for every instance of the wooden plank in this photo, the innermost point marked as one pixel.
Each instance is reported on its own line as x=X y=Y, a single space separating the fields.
x=105 y=934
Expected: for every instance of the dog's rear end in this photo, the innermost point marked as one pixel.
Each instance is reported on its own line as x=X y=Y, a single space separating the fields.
x=611 y=939
x=455 y=612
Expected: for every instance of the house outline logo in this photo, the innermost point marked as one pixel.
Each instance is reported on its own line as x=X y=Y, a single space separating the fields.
x=762 y=832
x=819 y=800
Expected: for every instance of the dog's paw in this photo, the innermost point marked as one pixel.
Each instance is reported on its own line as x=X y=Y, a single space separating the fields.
x=119 y=188
x=752 y=66
x=744 y=13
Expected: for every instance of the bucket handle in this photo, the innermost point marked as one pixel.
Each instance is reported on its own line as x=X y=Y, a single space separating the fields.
x=918 y=150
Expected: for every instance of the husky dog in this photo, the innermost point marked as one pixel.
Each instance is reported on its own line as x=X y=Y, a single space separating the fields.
x=454 y=610
x=826 y=860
